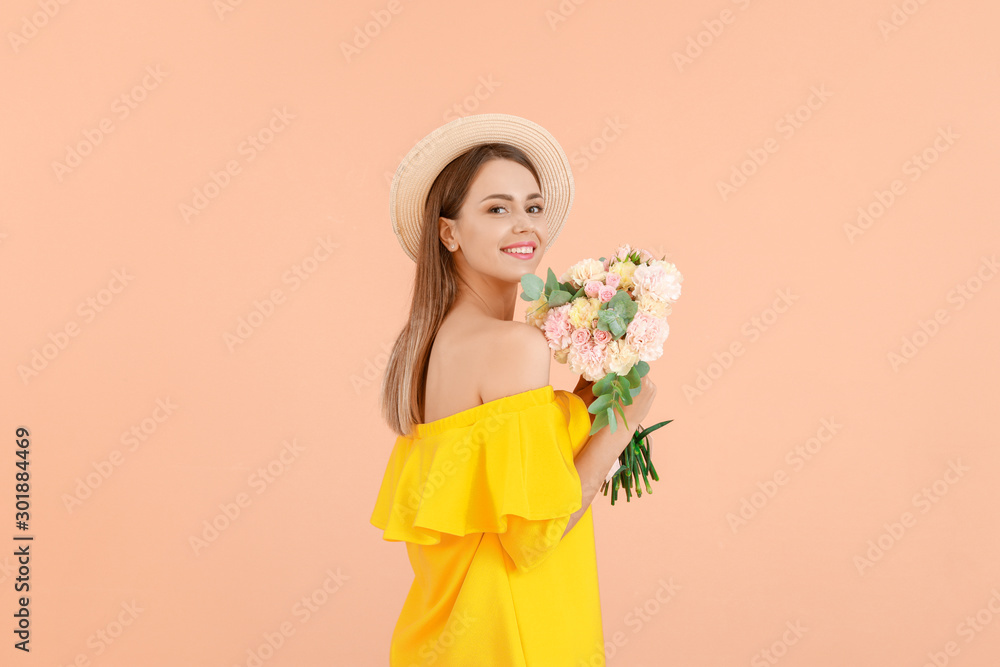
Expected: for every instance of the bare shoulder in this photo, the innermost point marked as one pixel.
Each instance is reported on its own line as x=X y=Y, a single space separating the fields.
x=519 y=358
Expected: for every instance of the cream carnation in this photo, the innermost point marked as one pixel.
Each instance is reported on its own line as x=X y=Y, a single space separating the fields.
x=537 y=311
x=649 y=303
x=624 y=271
x=582 y=271
x=583 y=312
x=621 y=356
x=585 y=358
x=674 y=278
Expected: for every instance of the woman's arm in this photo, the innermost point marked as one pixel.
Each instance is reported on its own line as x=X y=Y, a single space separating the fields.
x=593 y=463
x=584 y=389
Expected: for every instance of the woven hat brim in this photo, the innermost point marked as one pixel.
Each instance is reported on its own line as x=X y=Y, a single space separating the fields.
x=417 y=171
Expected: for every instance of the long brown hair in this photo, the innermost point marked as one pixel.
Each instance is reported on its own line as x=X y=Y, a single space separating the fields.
x=435 y=287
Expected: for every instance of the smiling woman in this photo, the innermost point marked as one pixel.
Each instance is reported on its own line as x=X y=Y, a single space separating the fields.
x=482 y=483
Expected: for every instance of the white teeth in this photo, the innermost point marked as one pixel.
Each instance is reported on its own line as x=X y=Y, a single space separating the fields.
x=523 y=250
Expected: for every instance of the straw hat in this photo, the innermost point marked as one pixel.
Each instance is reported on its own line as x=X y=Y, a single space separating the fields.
x=417 y=171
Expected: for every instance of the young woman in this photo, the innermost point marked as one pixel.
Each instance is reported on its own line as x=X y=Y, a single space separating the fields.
x=493 y=471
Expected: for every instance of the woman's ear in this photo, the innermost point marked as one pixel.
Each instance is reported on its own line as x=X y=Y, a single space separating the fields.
x=446 y=232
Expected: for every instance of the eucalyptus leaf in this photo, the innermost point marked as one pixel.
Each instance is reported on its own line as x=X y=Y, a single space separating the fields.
x=532 y=286
x=603 y=385
x=600 y=404
x=621 y=411
x=552 y=283
x=558 y=298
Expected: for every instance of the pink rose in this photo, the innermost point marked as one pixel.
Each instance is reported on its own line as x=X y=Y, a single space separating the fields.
x=606 y=293
x=592 y=288
x=602 y=337
x=613 y=279
x=580 y=337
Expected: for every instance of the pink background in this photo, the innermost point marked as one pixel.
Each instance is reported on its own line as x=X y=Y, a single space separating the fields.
x=148 y=104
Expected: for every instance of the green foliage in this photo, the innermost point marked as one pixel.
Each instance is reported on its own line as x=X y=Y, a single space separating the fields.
x=532 y=286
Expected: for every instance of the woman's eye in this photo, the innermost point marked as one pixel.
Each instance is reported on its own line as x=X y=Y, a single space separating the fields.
x=540 y=209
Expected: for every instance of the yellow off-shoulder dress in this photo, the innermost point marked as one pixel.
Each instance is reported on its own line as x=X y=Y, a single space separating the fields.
x=482 y=498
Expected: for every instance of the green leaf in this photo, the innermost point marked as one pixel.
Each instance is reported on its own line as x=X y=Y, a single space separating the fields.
x=603 y=385
x=558 y=298
x=600 y=404
x=532 y=286
x=643 y=368
x=633 y=377
x=622 y=411
x=600 y=421
x=612 y=422
x=551 y=283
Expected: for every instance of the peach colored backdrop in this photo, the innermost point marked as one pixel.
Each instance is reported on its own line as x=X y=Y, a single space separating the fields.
x=193 y=193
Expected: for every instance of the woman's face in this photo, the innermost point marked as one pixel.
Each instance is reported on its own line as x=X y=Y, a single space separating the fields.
x=503 y=208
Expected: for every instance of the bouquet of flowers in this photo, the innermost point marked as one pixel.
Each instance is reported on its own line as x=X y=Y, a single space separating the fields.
x=607 y=318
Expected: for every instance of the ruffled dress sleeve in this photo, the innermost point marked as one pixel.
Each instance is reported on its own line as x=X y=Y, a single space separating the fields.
x=503 y=467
